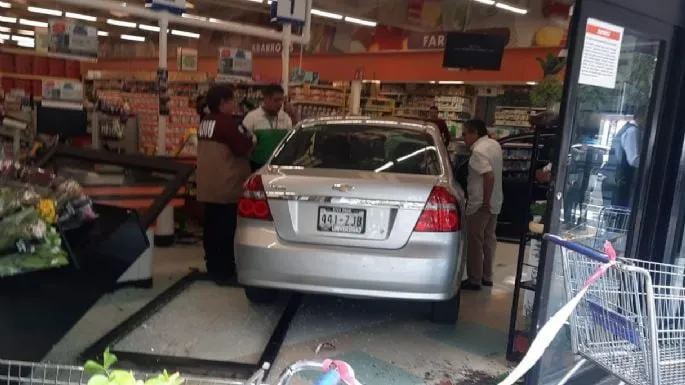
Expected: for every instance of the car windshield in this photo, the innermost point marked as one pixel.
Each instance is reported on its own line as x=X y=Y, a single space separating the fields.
x=360 y=147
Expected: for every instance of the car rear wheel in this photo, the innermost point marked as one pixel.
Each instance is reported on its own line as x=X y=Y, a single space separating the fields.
x=446 y=312
x=260 y=295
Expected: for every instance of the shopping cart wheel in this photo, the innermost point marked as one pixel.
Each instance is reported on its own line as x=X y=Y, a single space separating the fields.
x=260 y=295
x=446 y=312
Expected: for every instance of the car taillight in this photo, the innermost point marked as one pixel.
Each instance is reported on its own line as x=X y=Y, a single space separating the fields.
x=253 y=204
x=441 y=213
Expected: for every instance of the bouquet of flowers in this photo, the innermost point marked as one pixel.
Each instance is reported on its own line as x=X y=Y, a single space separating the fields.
x=34 y=204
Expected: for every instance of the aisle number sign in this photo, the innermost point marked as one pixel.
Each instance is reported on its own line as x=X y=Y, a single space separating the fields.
x=289 y=11
x=601 y=53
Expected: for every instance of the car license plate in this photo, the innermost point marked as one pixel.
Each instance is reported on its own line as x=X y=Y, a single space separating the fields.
x=342 y=220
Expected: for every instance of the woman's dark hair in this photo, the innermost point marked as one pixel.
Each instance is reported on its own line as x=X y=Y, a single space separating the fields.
x=272 y=89
x=217 y=95
x=476 y=126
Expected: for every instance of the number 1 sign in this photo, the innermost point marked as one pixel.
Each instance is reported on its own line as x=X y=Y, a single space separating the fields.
x=289 y=11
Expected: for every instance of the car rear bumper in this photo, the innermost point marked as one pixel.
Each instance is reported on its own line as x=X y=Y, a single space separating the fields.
x=424 y=269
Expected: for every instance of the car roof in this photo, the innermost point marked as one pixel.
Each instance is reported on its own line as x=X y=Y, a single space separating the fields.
x=370 y=120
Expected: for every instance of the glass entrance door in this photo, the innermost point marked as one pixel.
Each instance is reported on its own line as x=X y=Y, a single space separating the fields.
x=613 y=89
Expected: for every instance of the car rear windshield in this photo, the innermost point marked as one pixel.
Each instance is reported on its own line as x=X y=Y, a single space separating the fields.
x=360 y=147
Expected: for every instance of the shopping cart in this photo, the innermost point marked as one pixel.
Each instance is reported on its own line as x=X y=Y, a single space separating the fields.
x=36 y=373
x=599 y=224
x=631 y=321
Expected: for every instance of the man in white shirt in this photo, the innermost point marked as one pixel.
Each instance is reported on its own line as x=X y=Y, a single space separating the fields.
x=270 y=123
x=484 y=204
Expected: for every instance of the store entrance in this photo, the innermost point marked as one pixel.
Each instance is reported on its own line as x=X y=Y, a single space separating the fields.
x=615 y=87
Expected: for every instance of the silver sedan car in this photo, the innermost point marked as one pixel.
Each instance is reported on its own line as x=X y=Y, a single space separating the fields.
x=355 y=206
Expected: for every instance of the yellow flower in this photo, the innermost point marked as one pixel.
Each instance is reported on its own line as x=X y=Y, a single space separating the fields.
x=47 y=210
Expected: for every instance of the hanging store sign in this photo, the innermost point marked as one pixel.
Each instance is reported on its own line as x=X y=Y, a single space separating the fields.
x=172 y=6
x=235 y=62
x=601 y=53
x=289 y=11
x=72 y=40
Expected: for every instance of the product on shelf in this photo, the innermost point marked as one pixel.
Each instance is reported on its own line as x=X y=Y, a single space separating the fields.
x=33 y=204
x=513 y=120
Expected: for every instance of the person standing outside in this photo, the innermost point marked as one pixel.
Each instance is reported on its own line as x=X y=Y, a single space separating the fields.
x=484 y=204
x=433 y=116
x=270 y=123
x=223 y=166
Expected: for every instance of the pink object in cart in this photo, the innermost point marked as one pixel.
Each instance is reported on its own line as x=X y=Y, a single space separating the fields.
x=345 y=370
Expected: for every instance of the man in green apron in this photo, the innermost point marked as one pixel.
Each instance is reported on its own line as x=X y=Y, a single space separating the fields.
x=270 y=123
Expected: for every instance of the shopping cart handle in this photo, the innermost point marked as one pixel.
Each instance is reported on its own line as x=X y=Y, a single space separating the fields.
x=577 y=247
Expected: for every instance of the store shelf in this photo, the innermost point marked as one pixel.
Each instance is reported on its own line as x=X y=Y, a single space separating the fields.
x=34 y=77
x=317 y=103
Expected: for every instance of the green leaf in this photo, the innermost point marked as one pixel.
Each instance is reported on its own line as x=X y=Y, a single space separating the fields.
x=98 y=379
x=109 y=359
x=92 y=368
x=122 y=377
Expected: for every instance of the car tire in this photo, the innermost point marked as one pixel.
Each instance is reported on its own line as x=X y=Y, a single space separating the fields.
x=446 y=312
x=260 y=295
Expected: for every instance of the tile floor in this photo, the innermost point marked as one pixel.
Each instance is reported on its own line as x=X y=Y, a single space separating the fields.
x=386 y=342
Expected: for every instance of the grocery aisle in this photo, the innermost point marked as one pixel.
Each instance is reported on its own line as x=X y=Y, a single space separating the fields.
x=386 y=341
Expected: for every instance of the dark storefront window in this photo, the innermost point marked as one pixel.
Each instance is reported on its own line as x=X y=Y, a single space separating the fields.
x=607 y=135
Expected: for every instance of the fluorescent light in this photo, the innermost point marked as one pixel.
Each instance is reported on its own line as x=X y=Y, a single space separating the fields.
x=5 y=29
x=32 y=23
x=4 y=4
x=355 y=20
x=329 y=15
x=103 y=33
x=26 y=32
x=21 y=38
x=189 y=16
x=4 y=37
x=256 y=1
x=5 y=19
x=486 y=2
x=177 y=32
x=45 y=11
x=81 y=16
x=451 y=82
x=511 y=8
x=532 y=83
x=120 y=23
x=213 y=20
x=146 y=27
x=27 y=44
x=133 y=37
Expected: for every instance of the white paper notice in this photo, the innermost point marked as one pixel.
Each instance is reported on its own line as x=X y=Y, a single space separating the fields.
x=601 y=51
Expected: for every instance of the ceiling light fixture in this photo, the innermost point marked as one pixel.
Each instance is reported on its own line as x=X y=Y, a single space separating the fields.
x=27 y=44
x=5 y=29
x=511 y=8
x=80 y=16
x=21 y=38
x=329 y=15
x=26 y=32
x=451 y=82
x=4 y=4
x=32 y=23
x=368 y=23
x=5 y=19
x=146 y=27
x=133 y=37
x=45 y=11
x=532 y=83
x=103 y=33
x=4 y=37
x=256 y=1
x=486 y=2
x=195 y=17
x=177 y=32
x=120 y=23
